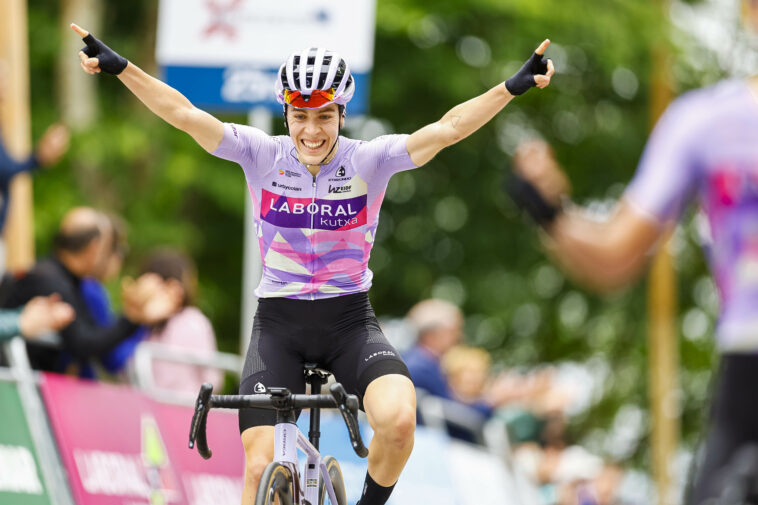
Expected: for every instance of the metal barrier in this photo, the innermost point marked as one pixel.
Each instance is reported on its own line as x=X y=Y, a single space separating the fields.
x=27 y=381
x=141 y=373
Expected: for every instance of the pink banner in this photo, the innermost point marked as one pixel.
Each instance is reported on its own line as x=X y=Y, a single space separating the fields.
x=218 y=480
x=111 y=444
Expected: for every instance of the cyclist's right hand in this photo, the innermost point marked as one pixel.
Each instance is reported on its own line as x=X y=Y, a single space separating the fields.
x=96 y=56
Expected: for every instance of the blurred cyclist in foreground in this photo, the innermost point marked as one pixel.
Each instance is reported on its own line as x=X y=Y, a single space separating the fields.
x=316 y=198
x=703 y=148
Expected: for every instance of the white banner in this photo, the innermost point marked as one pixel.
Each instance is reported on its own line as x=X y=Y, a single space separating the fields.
x=263 y=32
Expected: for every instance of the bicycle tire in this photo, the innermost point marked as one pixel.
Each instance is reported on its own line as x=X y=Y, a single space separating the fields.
x=276 y=481
x=338 y=483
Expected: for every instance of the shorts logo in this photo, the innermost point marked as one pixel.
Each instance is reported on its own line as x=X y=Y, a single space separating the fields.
x=259 y=388
x=340 y=172
x=379 y=353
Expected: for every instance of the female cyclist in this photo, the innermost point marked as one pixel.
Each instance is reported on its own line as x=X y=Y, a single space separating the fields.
x=316 y=198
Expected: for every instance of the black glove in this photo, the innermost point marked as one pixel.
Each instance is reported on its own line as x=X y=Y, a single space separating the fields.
x=527 y=197
x=110 y=61
x=522 y=80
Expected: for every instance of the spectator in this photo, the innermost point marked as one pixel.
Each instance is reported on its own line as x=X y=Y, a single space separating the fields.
x=42 y=314
x=469 y=374
x=108 y=266
x=50 y=148
x=186 y=327
x=78 y=246
x=439 y=327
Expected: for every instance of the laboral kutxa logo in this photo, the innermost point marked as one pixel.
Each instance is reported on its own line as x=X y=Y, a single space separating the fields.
x=319 y=214
x=146 y=475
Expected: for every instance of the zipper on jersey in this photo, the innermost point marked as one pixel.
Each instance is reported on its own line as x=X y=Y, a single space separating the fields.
x=310 y=238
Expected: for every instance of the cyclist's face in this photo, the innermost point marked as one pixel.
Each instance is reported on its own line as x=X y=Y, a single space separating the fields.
x=314 y=131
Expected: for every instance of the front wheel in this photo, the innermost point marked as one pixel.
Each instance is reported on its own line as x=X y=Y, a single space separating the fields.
x=276 y=481
x=335 y=475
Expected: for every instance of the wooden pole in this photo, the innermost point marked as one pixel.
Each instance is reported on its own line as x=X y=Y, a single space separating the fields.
x=77 y=91
x=663 y=344
x=16 y=130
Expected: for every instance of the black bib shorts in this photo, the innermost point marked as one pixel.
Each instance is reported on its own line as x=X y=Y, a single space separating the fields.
x=339 y=334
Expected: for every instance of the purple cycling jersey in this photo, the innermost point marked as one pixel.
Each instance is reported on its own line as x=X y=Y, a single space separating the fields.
x=706 y=146
x=315 y=233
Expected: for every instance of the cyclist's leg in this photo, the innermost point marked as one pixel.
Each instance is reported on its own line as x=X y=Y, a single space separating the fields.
x=733 y=425
x=390 y=405
x=258 y=442
x=273 y=359
x=368 y=366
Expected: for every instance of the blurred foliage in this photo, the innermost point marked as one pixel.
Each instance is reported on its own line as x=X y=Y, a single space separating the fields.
x=446 y=230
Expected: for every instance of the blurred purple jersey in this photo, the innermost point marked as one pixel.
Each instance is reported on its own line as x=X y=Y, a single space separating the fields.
x=315 y=233
x=706 y=146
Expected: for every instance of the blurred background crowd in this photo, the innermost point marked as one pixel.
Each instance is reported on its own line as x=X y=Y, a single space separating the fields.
x=144 y=231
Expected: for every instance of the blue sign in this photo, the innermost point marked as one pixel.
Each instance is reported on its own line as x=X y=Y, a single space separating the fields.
x=241 y=88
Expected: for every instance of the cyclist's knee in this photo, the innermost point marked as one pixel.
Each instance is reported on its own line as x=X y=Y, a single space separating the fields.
x=254 y=467
x=397 y=428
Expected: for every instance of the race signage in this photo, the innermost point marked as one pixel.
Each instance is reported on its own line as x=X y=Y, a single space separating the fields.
x=224 y=54
x=20 y=476
x=218 y=480
x=110 y=443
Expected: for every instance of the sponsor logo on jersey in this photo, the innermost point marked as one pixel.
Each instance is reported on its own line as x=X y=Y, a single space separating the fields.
x=340 y=172
x=284 y=186
x=339 y=189
x=259 y=388
x=319 y=214
x=289 y=173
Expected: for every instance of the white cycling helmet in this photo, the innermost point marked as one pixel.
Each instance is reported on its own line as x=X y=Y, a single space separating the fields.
x=314 y=78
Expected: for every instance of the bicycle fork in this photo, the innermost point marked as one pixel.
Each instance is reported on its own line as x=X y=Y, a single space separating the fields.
x=287 y=440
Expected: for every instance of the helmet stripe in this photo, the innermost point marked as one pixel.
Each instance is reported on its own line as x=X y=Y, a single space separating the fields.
x=303 y=71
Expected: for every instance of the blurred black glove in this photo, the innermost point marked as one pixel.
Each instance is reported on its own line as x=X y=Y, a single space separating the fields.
x=528 y=198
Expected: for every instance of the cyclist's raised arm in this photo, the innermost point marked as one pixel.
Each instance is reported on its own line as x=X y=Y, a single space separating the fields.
x=166 y=102
x=464 y=119
x=603 y=255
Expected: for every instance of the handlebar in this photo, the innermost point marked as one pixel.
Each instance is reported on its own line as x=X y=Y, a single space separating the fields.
x=197 y=429
x=277 y=399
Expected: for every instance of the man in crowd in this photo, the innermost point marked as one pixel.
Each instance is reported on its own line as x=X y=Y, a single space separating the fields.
x=78 y=245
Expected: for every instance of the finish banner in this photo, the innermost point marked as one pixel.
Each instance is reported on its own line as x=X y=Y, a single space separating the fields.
x=20 y=476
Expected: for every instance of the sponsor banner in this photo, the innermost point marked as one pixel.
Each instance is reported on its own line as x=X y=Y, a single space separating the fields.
x=318 y=214
x=20 y=476
x=218 y=480
x=110 y=443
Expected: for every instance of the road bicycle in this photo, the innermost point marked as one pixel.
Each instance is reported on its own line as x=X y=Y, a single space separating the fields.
x=282 y=479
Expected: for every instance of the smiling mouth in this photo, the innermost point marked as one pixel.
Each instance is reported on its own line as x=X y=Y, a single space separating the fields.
x=313 y=145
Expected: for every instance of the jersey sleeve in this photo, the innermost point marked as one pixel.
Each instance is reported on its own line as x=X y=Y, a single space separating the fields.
x=383 y=156
x=253 y=149
x=668 y=171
